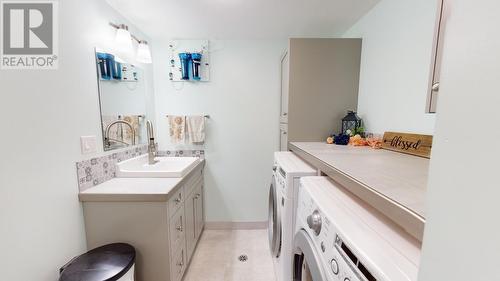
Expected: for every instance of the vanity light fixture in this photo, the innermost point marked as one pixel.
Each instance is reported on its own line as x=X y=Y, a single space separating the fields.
x=123 y=42
x=123 y=39
x=143 y=52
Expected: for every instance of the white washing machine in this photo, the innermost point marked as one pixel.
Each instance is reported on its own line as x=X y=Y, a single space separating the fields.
x=339 y=237
x=287 y=171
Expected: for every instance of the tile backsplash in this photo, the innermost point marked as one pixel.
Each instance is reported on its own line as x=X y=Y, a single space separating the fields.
x=100 y=169
x=182 y=153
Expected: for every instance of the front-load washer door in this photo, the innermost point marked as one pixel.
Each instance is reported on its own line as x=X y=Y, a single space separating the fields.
x=274 y=220
x=306 y=261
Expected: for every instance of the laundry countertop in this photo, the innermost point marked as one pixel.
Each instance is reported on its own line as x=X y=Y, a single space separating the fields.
x=394 y=183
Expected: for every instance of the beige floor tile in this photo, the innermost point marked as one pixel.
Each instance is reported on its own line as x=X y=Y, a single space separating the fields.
x=216 y=257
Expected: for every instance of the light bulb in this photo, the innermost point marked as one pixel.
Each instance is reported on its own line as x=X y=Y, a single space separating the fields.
x=143 y=52
x=123 y=40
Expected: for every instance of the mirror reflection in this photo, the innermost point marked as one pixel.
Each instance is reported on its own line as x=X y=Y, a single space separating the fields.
x=122 y=97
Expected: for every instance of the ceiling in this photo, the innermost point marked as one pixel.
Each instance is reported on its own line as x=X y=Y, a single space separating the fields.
x=242 y=19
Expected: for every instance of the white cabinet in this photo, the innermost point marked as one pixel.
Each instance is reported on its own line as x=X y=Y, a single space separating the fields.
x=164 y=231
x=437 y=55
x=190 y=235
x=283 y=137
x=285 y=72
x=199 y=218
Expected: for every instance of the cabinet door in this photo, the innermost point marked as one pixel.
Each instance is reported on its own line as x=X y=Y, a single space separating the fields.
x=189 y=205
x=432 y=96
x=178 y=265
x=198 y=210
x=283 y=137
x=284 y=87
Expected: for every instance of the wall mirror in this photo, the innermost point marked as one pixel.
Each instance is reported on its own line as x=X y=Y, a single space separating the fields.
x=123 y=100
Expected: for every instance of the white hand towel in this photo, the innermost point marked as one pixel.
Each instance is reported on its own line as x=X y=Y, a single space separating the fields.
x=196 y=128
x=177 y=128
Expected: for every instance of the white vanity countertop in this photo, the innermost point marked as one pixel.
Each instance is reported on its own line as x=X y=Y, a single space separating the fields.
x=134 y=189
x=394 y=183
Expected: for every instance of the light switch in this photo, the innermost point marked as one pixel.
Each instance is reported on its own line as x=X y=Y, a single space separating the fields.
x=88 y=144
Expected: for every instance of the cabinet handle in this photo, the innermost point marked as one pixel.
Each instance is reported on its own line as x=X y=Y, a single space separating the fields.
x=178 y=200
x=285 y=114
x=181 y=263
x=197 y=196
x=179 y=228
x=435 y=87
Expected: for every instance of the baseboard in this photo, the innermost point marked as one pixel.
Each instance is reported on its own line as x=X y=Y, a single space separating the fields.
x=235 y=225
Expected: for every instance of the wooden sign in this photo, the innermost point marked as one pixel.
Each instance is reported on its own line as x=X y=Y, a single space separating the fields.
x=419 y=145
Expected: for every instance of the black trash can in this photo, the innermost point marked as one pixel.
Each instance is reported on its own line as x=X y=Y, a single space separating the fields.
x=112 y=262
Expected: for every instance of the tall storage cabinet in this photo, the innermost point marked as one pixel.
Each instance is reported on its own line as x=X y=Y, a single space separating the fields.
x=319 y=83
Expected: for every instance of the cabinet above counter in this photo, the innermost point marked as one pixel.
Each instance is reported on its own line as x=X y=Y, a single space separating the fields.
x=393 y=183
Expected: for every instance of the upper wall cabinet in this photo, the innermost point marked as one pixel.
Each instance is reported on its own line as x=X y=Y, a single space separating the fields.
x=437 y=53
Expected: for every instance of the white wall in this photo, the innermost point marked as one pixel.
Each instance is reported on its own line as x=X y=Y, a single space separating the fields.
x=44 y=113
x=242 y=100
x=395 y=65
x=462 y=234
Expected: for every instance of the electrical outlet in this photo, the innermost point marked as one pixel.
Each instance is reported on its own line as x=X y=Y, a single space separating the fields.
x=88 y=144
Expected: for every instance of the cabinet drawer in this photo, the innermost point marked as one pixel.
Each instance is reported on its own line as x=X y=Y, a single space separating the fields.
x=178 y=265
x=190 y=184
x=175 y=202
x=177 y=230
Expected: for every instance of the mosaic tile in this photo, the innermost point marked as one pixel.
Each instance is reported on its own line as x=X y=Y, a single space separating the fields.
x=97 y=170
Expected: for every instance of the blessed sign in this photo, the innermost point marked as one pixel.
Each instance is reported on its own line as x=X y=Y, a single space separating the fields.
x=414 y=144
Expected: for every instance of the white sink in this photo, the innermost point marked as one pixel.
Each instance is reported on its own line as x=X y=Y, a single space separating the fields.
x=166 y=167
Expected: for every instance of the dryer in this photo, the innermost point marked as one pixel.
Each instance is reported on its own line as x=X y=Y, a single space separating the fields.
x=287 y=170
x=338 y=237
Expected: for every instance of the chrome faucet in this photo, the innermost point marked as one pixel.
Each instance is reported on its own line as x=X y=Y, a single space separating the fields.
x=152 y=149
x=108 y=128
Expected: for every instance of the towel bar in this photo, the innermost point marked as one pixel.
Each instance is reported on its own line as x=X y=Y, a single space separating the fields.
x=206 y=116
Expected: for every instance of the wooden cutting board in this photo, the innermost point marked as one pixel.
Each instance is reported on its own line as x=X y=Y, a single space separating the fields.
x=414 y=144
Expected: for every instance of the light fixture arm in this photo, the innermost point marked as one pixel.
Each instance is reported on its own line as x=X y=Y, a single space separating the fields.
x=137 y=39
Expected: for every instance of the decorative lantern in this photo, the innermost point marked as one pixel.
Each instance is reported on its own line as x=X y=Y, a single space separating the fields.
x=351 y=122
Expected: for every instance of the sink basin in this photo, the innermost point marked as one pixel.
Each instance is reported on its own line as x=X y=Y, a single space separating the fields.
x=166 y=167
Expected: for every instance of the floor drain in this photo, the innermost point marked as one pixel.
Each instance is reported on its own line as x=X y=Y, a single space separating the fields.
x=243 y=258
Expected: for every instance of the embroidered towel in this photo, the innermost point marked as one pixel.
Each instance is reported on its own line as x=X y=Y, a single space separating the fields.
x=196 y=128
x=177 y=128
x=134 y=120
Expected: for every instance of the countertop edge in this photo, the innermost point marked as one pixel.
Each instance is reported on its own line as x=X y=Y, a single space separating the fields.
x=410 y=221
x=120 y=197
x=138 y=197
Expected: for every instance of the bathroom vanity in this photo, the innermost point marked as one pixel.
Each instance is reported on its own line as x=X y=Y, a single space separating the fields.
x=162 y=218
